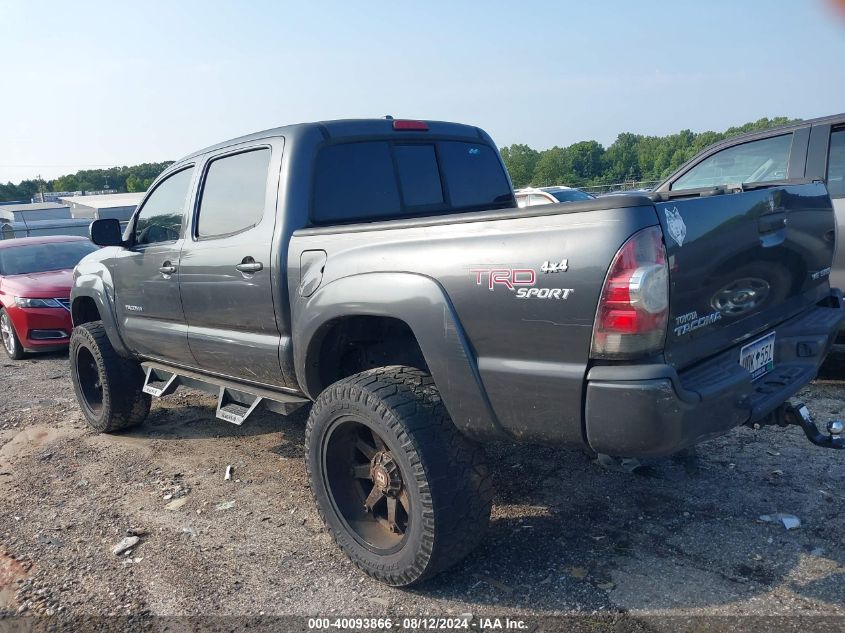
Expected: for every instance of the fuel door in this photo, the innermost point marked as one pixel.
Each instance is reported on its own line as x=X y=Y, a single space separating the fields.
x=311 y=265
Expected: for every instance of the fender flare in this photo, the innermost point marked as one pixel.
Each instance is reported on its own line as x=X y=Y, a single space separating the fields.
x=93 y=287
x=423 y=305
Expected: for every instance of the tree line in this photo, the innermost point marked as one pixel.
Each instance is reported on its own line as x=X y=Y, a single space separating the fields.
x=631 y=157
x=123 y=179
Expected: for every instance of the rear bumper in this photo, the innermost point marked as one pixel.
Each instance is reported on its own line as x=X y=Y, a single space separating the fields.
x=651 y=410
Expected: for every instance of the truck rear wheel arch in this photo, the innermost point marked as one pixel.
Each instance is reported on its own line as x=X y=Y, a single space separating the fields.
x=411 y=305
x=352 y=344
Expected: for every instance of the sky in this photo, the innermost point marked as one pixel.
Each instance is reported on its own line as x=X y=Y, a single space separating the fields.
x=95 y=84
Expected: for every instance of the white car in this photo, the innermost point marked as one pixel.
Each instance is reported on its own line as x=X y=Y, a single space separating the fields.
x=531 y=196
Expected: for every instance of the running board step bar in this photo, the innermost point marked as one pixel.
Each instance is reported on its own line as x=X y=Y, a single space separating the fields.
x=231 y=410
x=154 y=386
x=235 y=400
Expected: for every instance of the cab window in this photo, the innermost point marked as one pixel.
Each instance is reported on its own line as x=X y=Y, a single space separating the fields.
x=160 y=219
x=756 y=161
x=836 y=165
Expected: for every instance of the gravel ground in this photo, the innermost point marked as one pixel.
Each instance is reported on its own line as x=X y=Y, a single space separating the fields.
x=679 y=537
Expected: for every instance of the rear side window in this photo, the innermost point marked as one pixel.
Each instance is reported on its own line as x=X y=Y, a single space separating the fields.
x=234 y=193
x=756 y=161
x=374 y=180
x=836 y=165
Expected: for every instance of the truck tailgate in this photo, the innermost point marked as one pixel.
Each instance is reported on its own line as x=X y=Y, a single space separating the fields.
x=740 y=263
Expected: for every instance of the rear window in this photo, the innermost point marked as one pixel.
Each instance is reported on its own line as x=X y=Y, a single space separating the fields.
x=376 y=180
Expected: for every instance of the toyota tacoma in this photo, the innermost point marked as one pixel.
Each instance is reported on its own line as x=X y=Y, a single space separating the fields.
x=381 y=272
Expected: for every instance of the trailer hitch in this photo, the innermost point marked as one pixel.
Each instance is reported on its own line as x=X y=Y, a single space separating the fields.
x=798 y=414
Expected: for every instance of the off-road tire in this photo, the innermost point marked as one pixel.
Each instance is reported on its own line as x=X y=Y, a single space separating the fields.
x=17 y=352
x=124 y=404
x=445 y=473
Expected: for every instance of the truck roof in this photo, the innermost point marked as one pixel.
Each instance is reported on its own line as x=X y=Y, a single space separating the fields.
x=774 y=131
x=832 y=119
x=343 y=128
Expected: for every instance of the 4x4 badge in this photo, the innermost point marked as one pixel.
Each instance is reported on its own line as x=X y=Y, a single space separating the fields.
x=555 y=267
x=676 y=226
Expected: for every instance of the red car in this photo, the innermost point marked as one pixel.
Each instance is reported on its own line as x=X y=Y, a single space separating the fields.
x=36 y=274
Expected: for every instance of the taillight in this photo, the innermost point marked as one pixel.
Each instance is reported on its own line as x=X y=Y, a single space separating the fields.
x=410 y=126
x=633 y=307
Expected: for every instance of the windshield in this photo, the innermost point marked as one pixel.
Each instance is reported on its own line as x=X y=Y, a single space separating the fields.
x=39 y=258
x=570 y=195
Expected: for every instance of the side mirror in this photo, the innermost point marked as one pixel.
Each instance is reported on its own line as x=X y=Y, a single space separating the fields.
x=106 y=232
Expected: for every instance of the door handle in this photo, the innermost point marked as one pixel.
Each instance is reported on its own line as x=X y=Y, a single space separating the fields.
x=167 y=269
x=249 y=265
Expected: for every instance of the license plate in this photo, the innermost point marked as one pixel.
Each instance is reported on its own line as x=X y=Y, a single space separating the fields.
x=758 y=357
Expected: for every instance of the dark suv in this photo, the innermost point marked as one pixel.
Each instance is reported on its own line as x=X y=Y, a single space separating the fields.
x=812 y=150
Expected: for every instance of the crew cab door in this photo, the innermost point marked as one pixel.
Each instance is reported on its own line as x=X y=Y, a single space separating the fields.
x=146 y=274
x=226 y=269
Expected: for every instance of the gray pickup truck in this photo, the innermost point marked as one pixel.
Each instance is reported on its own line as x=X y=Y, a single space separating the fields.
x=380 y=270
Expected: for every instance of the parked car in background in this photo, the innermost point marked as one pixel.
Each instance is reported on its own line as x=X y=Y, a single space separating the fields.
x=531 y=196
x=625 y=192
x=36 y=274
x=812 y=150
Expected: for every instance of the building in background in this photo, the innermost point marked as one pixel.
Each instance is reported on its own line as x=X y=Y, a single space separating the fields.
x=54 y=196
x=34 y=211
x=116 y=205
x=38 y=219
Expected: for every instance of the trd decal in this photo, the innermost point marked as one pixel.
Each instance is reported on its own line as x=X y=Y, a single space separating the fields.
x=818 y=274
x=520 y=281
x=507 y=277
